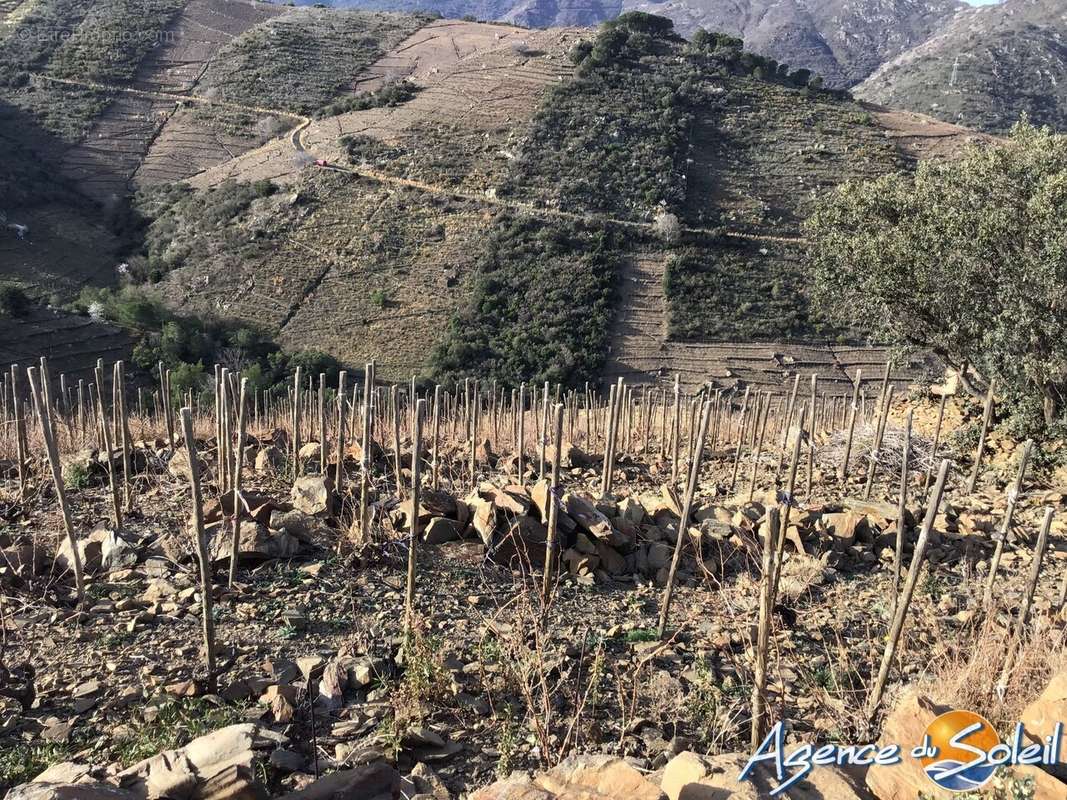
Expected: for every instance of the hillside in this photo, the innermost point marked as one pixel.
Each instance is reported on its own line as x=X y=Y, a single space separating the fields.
x=986 y=68
x=466 y=166
x=841 y=40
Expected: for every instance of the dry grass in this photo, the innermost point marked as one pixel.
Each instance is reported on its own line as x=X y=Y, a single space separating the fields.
x=967 y=677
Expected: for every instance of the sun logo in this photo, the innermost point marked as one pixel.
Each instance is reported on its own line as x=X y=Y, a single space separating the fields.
x=958 y=744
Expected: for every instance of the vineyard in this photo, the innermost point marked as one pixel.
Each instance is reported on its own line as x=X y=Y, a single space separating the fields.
x=364 y=587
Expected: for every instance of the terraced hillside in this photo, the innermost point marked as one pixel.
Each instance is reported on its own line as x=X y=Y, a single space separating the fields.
x=451 y=197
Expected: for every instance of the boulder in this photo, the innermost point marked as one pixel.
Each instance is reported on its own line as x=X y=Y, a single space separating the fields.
x=539 y=494
x=269 y=460
x=23 y=561
x=522 y=544
x=610 y=559
x=572 y=456
x=309 y=452
x=440 y=530
x=372 y=780
x=313 y=494
x=257 y=543
x=631 y=510
x=587 y=777
x=432 y=503
x=688 y=776
x=116 y=552
x=90 y=548
x=65 y=772
x=312 y=531
x=584 y=512
x=69 y=791
x=1040 y=717
x=224 y=757
x=906 y=725
x=607 y=776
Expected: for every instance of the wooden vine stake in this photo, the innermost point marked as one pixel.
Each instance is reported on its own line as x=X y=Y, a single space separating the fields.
x=937 y=441
x=898 y=556
x=413 y=535
x=364 y=454
x=879 y=434
x=207 y=620
x=987 y=417
x=763 y=633
x=1005 y=528
x=164 y=398
x=238 y=501
x=1028 y=600
x=105 y=432
x=339 y=470
x=553 y=508
x=683 y=523
x=20 y=430
x=44 y=418
x=790 y=500
x=897 y=626
x=853 y=412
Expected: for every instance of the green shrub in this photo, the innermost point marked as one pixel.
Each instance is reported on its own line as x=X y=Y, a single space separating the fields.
x=76 y=476
x=185 y=344
x=934 y=260
x=724 y=290
x=541 y=308
x=299 y=62
x=394 y=94
x=14 y=302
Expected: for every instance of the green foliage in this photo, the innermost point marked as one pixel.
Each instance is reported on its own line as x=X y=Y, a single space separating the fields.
x=103 y=42
x=172 y=724
x=616 y=139
x=1005 y=786
x=14 y=302
x=111 y=41
x=728 y=291
x=618 y=132
x=379 y=298
x=967 y=259
x=394 y=94
x=76 y=476
x=180 y=225
x=302 y=60
x=21 y=761
x=541 y=307
x=186 y=344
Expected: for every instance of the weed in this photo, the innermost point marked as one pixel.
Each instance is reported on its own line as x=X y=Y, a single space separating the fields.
x=173 y=723
x=507 y=744
x=21 y=761
x=641 y=635
x=76 y=476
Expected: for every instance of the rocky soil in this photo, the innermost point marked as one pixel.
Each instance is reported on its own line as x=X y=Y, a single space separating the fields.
x=318 y=680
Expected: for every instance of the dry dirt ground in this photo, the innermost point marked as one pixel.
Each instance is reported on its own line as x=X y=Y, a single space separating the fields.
x=474 y=76
x=119 y=682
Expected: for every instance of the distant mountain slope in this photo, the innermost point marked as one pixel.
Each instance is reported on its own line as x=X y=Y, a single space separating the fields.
x=983 y=70
x=842 y=40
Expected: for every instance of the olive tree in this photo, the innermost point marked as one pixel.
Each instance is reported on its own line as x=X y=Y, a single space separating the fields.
x=966 y=258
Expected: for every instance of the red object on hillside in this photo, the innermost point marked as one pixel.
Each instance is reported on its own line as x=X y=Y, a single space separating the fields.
x=321 y=162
